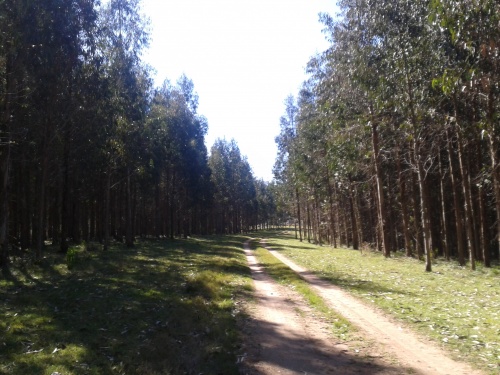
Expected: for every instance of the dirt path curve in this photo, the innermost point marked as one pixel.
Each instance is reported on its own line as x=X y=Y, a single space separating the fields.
x=412 y=355
x=283 y=336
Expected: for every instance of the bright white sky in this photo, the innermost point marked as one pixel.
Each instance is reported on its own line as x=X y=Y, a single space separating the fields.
x=244 y=57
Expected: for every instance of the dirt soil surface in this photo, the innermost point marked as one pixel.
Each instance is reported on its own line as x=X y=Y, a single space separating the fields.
x=283 y=335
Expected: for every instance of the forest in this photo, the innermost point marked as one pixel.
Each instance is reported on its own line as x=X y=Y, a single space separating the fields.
x=393 y=143
x=91 y=151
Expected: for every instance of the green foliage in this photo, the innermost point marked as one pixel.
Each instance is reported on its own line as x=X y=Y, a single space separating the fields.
x=162 y=307
x=71 y=257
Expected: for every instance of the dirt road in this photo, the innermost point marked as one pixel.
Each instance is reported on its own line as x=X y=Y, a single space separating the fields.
x=284 y=336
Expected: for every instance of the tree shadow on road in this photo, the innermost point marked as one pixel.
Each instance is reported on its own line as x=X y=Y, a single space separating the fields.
x=267 y=349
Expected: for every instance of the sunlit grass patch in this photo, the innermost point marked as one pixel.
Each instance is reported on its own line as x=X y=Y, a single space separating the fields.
x=163 y=307
x=456 y=307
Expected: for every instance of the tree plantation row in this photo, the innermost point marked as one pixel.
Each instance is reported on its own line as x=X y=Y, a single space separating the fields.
x=90 y=150
x=393 y=142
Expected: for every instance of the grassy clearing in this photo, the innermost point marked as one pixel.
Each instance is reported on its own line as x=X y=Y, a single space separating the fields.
x=456 y=307
x=341 y=327
x=164 y=307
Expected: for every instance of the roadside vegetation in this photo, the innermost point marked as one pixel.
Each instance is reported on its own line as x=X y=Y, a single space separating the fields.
x=163 y=307
x=454 y=306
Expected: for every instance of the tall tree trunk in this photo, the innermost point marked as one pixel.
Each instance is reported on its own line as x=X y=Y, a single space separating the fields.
x=495 y=172
x=25 y=190
x=464 y=171
x=157 y=210
x=317 y=220
x=4 y=196
x=107 y=221
x=382 y=215
x=129 y=233
x=417 y=225
x=337 y=214
x=65 y=192
x=42 y=198
x=456 y=201
x=484 y=227
x=5 y=145
x=403 y=201
x=354 y=226
x=333 y=240
x=444 y=221
x=357 y=216
x=421 y=173
x=4 y=181
x=297 y=201
x=308 y=221
x=424 y=205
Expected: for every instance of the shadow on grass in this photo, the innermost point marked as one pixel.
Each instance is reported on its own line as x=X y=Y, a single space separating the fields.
x=162 y=307
x=350 y=283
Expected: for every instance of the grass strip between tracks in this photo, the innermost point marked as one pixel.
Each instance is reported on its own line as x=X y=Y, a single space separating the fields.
x=340 y=327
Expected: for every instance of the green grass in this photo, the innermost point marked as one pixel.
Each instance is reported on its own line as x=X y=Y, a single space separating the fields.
x=163 y=307
x=340 y=327
x=456 y=307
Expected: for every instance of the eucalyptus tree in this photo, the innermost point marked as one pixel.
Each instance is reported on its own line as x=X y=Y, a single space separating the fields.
x=125 y=34
x=355 y=64
x=284 y=166
x=44 y=45
x=10 y=32
x=392 y=49
x=471 y=80
x=235 y=196
x=266 y=204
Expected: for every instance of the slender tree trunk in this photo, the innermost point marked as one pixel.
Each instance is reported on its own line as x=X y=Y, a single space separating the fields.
x=25 y=219
x=4 y=183
x=417 y=225
x=495 y=172
x=484 y=227
x=403 y=201
x=468 y=202
x=5 y=150
x=129 y=233
x=317 y=221
x=354 y=226
x=337 y=214
x=42 y=198
x=444 y=221
x=382 y=216
x=333 y=240
x=4 y=198
x=456 y=201
x=65 y=192
x=107 y=209
x=297 y=200
x=424 y=206
x=421 y=173
x=357 y=216
x=308 y=222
